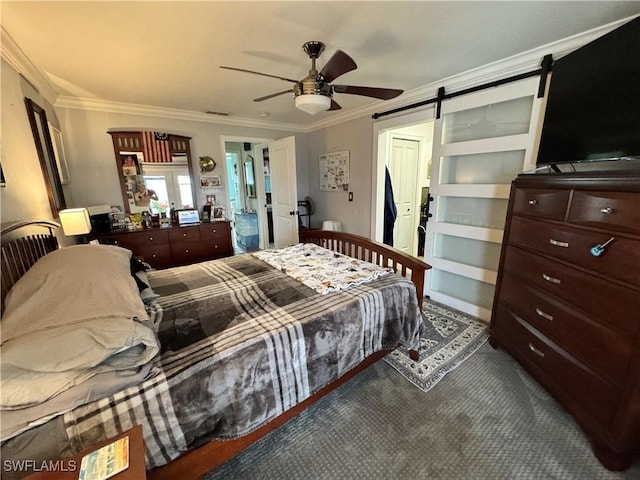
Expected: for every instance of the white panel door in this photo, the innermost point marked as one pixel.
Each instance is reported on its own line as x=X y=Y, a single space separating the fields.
x=403 y=170
x=284 y=191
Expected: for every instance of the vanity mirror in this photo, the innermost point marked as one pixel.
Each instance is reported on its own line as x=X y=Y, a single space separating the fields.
x=249 y=178
x=155 y=171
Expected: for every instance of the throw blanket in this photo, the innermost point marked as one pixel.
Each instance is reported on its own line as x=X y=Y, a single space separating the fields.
x=323 y=270
x=241 y=342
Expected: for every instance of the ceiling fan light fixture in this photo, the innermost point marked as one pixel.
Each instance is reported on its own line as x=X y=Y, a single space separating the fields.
x=313 y=103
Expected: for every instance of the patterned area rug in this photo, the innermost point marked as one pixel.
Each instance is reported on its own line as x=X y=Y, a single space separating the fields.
x=448 y=339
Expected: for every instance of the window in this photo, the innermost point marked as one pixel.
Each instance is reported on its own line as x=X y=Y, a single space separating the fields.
x=171 y=184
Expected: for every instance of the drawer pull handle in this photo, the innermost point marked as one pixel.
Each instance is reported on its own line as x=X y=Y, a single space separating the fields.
x=551 y=279
x=151 y=239
x=186 y=250
x=184 y=234
x=533 y=202
x=214 y=230
x=606 y=211
x=535 y=350
x=544 y=315
x=558 y=243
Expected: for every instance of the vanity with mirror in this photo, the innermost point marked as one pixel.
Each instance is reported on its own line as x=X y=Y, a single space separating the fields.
x=155 y=174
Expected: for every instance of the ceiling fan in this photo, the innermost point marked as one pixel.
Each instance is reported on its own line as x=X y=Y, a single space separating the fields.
x=314 y=92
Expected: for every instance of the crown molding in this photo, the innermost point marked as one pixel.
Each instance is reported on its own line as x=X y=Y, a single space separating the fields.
x=14 y=56
x=514 y=65
x=98 y=105
x=520 y=63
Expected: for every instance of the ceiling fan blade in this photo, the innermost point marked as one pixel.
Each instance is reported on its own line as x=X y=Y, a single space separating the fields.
x=334 y=105
x=267 y=97
x=339 y=64
x=381 y=93
x=260 y=73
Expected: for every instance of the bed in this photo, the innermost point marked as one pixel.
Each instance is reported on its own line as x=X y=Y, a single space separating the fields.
x=244 y=343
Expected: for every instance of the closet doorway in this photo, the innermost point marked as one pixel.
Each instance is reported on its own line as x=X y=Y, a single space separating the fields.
x=404 y=147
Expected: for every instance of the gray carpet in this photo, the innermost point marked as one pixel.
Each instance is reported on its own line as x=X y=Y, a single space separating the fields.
x=486 y=420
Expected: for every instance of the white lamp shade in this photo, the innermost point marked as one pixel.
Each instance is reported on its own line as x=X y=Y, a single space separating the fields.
x=75 y=221
x=313 y=103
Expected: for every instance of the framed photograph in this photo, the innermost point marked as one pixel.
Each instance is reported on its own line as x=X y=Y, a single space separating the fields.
x=211 y=181
x=219 y=212
x=129 y=163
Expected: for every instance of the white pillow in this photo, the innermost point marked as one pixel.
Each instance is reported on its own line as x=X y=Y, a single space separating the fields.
x=72 y=285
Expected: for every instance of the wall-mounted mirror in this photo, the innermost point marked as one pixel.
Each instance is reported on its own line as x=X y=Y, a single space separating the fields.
x=249 y=178
x=44 y=146
x=155 y=171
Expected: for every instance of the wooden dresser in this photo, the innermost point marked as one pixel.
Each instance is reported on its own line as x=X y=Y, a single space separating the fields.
x=569 y=313
x=168 y=247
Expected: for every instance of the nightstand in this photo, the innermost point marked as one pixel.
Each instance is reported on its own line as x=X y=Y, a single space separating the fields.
x=135 y=471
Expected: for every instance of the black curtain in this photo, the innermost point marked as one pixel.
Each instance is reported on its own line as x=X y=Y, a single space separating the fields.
x=390 y=212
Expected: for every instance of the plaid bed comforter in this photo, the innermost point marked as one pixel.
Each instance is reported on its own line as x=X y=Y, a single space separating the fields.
x=241 y=343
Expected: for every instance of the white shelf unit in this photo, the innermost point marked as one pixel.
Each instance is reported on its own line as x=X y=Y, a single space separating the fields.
x=482 y=141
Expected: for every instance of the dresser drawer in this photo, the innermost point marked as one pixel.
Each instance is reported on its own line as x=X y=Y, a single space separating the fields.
x=137 y=240
x=619 y=211
x=189 y=252
x=601 y=348
x=599 y=299
x=215 y=231
x=158 y=256
x=545 y=203
x=574 y=246
x=184 y=234
x=562 y=373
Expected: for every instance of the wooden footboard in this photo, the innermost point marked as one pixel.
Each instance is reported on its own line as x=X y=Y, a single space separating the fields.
x=362 y=248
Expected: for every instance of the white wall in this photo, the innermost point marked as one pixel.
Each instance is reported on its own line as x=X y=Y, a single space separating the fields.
x=25 y=194
x=94 y=176
x=356 y=137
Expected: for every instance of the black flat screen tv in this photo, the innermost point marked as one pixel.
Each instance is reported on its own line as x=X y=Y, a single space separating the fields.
x=593 y=108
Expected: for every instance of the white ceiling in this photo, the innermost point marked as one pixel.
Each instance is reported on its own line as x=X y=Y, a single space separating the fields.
x=168 y=54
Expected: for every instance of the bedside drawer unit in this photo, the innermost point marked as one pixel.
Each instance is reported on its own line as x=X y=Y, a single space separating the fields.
x=603 y=349
x=544 y=203
x=615 y=211
x=574 y=245
x=560 y=371
x=580 y=290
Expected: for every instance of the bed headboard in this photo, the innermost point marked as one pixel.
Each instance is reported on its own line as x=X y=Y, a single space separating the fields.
x=374 y=252
x=22 y=244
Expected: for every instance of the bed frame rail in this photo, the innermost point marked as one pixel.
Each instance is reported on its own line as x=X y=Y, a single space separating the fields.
x=374 y=252
x=21 y=250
